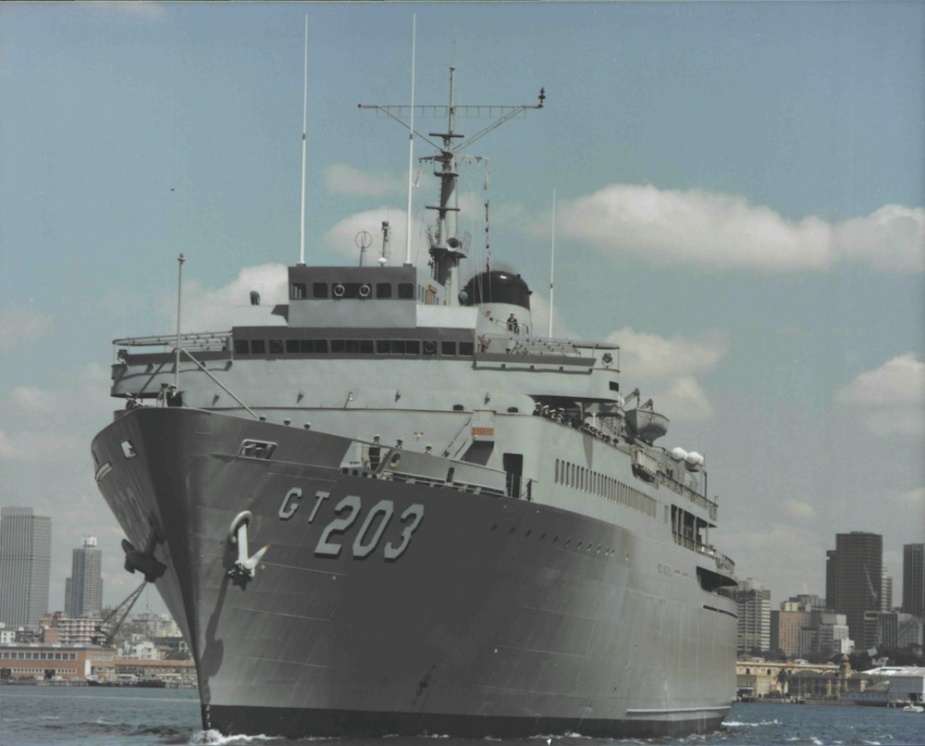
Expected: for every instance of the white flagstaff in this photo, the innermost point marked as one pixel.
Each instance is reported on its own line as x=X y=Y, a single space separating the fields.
x=552 y=261
x=410 y=144
x=304 y=129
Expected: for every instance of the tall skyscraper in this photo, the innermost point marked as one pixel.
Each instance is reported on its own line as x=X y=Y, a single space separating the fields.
x=914 y=579
x=25 y=565
x=754 y=628
x=83 y=591
x=855 y=579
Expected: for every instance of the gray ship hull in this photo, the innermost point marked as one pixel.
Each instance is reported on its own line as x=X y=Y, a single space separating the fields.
x=386 y=606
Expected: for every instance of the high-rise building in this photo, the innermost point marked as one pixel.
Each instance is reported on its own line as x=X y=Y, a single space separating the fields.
x=25 y=566
x=886 y=592
x=914 y=579
x=83 y=591
x=754 y=602
x=855 y=579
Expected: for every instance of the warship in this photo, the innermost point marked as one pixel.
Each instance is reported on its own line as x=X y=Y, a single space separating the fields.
x=393 y=506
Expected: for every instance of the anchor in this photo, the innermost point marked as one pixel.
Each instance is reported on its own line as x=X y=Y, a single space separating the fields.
x=244 y=567
x=145 y=561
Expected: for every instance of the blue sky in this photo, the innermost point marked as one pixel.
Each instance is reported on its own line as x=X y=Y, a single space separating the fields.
x=740 y=205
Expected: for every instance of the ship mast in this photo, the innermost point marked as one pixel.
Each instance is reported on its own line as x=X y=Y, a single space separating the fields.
x=446 y=245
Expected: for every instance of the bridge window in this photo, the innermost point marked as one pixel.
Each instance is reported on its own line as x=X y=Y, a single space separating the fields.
x=383 y=290
x=320 y=289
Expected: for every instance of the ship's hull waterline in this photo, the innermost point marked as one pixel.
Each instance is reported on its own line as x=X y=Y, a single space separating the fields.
x=386 y=606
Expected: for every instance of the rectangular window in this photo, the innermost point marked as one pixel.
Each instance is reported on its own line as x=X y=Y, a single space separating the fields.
x=292 y=346
x=338 y=346
x=258 y=347
x=397 y=346
x=406 y=290
x=306 y=346
x=412 y=347
x=297 y=290
x=467 y=349
x=447 y=348
x=382 y=347
x=320 y=289
x=241 y=347
x=352 y=346
x=383 y=290
x=366 y=347
x=321 y=346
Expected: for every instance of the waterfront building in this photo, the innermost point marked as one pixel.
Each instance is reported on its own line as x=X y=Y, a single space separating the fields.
x=759 y=679
x=914 y=579
x=42 y=662
x=854 y=572
x=754 y=610
x=25 y=565
x=83 y=594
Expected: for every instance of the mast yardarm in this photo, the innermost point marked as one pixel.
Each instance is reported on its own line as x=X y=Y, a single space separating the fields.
x=446 y=246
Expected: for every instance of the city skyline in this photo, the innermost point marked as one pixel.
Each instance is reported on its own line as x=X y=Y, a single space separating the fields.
x=739 y=206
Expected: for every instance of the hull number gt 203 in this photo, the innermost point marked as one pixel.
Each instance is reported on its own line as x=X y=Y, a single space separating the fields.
x=371 y=530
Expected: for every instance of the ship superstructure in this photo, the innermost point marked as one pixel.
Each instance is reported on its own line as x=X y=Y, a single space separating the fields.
x=391 y=506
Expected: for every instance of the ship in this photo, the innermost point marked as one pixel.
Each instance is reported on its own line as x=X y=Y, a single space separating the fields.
x=393 y=505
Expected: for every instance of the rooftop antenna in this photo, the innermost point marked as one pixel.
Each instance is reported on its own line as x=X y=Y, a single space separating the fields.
x=304 y=128
x=384 y=257
x=410 y=146
x=552 y=261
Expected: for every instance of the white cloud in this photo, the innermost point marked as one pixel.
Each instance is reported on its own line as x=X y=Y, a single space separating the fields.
x=721 y=230
x=644 y=355
x=891 y=398
x=797 y=510
x=138 y=8
x=682 y=399
x=343 y=179
x=214 y=310
x=891 y=238
x=898 y=381
x=9 y=450
x=31 y=398
x=663 y=368
x=19 y=325
x=342 y=238
x=914 y=497
x=695 y=226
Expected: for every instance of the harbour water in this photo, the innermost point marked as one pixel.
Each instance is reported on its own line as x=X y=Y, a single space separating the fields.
x=65 y=716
